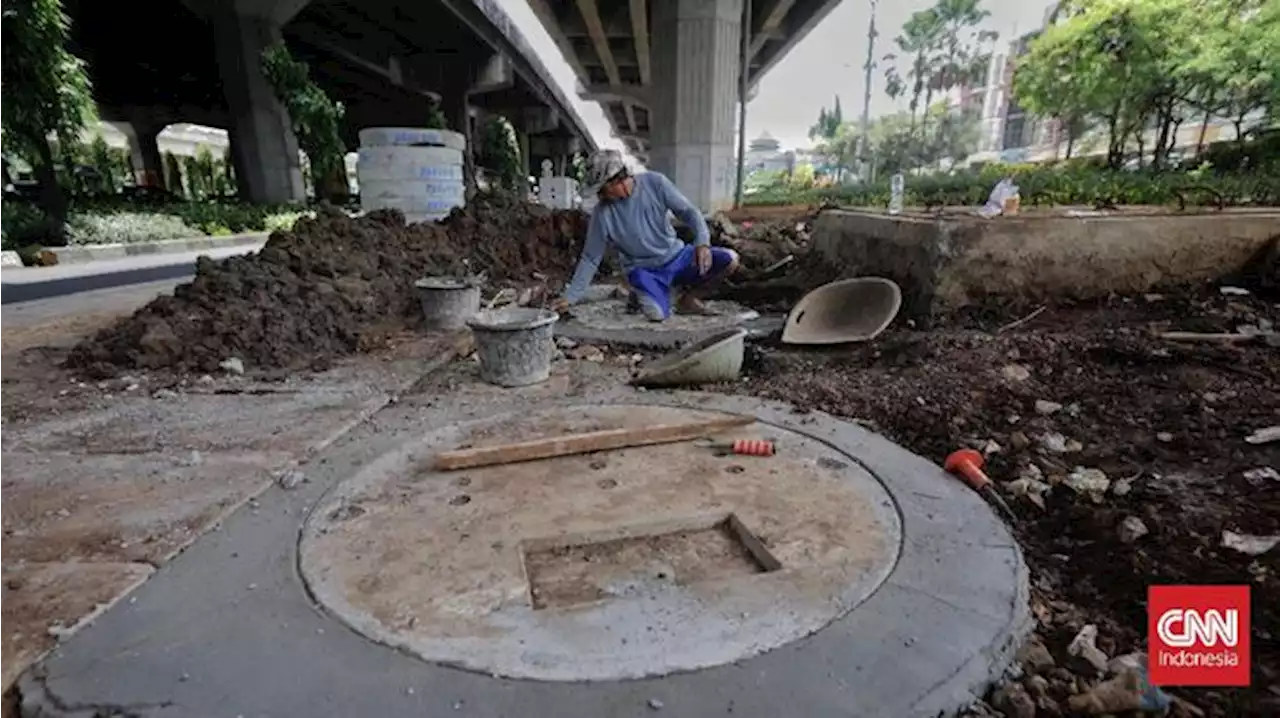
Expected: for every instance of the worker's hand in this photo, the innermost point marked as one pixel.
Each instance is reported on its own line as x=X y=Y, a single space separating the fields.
x=559 y=305
x=703 y=254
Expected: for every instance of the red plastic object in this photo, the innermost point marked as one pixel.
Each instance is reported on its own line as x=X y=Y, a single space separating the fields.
x=752 y=447
x=967 y=463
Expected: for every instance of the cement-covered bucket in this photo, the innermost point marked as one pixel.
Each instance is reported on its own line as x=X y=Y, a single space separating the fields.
x=850 y=310
x=514 y=344
x=713 y=359
x=447 y=302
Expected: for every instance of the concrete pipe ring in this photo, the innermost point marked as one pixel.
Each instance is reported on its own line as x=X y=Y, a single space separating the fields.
x=411 y=137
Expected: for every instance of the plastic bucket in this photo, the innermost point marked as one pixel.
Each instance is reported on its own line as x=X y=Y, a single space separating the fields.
x=447 y=302
x=514 y=344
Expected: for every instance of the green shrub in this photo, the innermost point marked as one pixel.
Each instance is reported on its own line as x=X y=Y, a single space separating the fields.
x=126 y=228
x=23 y=224
x=1050 y=185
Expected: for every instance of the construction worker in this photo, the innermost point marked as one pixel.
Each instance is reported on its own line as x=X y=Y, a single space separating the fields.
x=631 y=216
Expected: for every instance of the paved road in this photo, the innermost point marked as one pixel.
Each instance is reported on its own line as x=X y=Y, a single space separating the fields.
x=25 y=284
x=62 y=321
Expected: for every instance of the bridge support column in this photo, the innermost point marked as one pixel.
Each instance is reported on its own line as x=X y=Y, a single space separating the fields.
x=696 y=62
x=144 y=152
x=456 y=106
x=263 y=147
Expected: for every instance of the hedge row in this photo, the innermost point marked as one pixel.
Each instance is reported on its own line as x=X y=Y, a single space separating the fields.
x=1049 y=186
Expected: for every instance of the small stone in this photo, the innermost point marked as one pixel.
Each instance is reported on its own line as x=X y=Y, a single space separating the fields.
x=205 y=379
x=991 y=447
x=1037 y=686
x=1122 y=487
x=655 y=704
x=1084 y=648
x=586 y=352
x=253 y=586
x=1046 y=408
x=1248 y=544
x=184 y=677
x=1019 y=440
x=1261 y=475
x=291 y=479
x=1012 y=700
x=1055 y=443
x=165 y=394
x=232 y=365
x=1164 y=437
x=1091 y=481
x=1035 y=657
x=63 y=513
x=1016 y=372
x=1132 y=529
x=1117 y=695
x=565 y=343
x=1227 y=291
x=131 y=387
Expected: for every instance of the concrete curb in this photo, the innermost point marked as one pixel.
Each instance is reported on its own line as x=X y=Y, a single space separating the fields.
x=93 y=252
x=10 y=259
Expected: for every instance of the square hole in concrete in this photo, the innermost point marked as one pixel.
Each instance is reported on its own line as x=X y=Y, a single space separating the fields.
x=570 y=571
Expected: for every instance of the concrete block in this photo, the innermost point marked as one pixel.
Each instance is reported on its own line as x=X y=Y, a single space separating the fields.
x=10 y=259
x=946 y=262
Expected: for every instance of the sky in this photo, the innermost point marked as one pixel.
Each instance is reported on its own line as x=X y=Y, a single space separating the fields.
x=826 y=63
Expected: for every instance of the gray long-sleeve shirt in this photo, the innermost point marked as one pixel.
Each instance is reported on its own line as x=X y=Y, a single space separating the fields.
x=638 y=228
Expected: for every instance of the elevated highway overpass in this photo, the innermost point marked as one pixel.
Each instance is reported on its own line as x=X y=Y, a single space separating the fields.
x=666 y=72
x=157 y=62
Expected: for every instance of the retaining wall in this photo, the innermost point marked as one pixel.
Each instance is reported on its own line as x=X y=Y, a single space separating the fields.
x=949 y=261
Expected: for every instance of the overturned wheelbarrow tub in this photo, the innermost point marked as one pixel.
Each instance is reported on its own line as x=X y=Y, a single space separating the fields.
x=850 y=310
x=715 y=358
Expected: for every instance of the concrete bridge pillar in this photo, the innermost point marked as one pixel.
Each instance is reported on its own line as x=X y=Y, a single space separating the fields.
x=144 y=151
x=263 y=147
x=696 y=62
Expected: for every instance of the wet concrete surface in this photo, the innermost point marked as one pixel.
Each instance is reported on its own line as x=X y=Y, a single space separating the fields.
x=228 y=628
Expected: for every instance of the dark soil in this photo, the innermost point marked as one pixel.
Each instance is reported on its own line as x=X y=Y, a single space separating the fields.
x=1170 y=418
x=332 y=286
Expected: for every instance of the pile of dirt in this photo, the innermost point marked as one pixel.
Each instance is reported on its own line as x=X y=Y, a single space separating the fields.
x=1150 y=433
x=331 y=287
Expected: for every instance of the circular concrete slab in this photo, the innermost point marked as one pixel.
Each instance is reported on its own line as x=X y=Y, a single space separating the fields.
x=607 y=320
x=625 y=564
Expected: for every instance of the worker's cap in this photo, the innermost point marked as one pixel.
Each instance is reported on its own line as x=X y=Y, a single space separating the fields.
x=602 y=167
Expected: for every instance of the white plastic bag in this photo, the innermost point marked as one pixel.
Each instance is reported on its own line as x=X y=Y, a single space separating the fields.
x=1003 y=190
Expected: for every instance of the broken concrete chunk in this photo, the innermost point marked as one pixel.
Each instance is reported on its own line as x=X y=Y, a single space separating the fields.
x=1047 y=407
x=1248 y=544
x=1016 y=372
x=1261 y=475
x=1164 y=437
x=1083 y=647
x=1132 y=529
x=1122 y=487
x=1228 y=291
x=1013 y=701
x=1034 y=657
x=1092 y=481
x=1056 y=443
x=1264 y=436
x=232 y=365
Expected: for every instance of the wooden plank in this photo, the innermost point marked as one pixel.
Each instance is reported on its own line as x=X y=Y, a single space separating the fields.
x=553 y=446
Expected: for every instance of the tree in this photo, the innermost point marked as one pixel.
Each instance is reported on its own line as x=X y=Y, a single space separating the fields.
x=46 y=92
x=918 y=41
x=501 y=153
x=829 y=121
x=316 y=119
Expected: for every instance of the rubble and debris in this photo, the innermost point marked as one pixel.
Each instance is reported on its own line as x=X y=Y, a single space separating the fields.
x=1083 y=647
x=1132 y=529
x=332 y=286
x=1249 y=544
x=1087 y=481
x=1125 y=386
